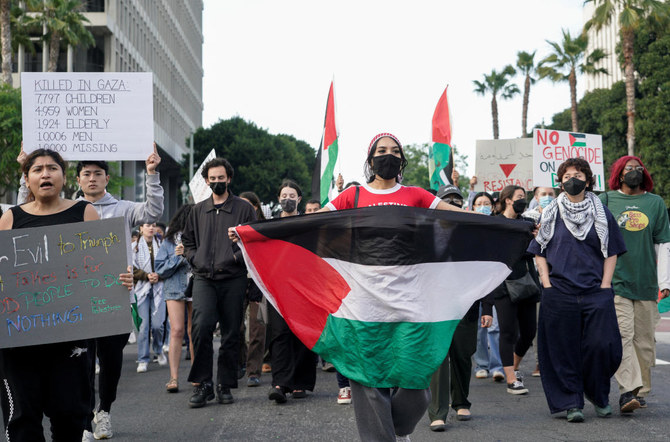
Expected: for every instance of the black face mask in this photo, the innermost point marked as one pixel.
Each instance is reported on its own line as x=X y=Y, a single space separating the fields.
x=519 y=206
x=288 y=205
x=574 y=186
x=633 y=179
x=386 y=166
x=219 y=187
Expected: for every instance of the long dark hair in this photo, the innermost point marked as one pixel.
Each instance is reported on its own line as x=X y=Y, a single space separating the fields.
x=369 y=174
x=32 y=156
x=255 y=201
x=178 y=222
x=507 y=193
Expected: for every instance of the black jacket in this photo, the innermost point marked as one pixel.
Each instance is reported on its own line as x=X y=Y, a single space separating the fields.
x=205 y=238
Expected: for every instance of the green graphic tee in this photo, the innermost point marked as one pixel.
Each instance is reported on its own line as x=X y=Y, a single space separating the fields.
x=643 y=221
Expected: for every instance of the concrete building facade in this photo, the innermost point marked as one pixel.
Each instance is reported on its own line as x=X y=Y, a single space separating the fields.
x=605 y=39
x=164 y=37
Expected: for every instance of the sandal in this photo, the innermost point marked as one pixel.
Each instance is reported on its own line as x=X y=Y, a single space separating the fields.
x=172 y=386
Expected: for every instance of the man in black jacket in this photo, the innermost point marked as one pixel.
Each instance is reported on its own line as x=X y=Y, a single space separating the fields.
x=220 y=281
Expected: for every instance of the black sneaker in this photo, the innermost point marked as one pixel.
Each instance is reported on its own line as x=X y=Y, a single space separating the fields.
x=516 y=387
x=628 y=403
x=201 y=394
x=223 y=395
x=277 y=394
x=643 y=403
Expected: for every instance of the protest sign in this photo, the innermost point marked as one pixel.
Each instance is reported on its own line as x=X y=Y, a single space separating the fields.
x=500 y=163
x=199 y=188
x=552 y=147
x=60 y=283
x=89 y=116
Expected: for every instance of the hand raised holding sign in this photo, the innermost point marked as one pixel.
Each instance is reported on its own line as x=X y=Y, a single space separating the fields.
x=22 y=156
x=153 y=161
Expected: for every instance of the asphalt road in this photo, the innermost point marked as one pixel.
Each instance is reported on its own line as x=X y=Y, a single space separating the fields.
x=145 y=412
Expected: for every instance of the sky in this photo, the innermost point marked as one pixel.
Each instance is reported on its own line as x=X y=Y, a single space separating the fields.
x=271 y=63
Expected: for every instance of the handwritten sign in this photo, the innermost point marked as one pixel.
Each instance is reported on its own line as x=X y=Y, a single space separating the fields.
x=199 y=188
x=60 y=283
x=89 y=116
x=552 y=147
x=500 y=163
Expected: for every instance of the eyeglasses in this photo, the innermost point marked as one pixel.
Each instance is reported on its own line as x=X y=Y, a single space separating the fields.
x=453 y=201
x=638 y=168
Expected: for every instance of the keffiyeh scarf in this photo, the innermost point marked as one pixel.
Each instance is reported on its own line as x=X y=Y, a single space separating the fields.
x=578 y=219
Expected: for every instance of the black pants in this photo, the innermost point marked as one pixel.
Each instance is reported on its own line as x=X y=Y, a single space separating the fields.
x=51 y=380
x=453 y=376
x=293 y=364
x=109 y=350
x=216 y=301
x=518 y=323
x=579 y=347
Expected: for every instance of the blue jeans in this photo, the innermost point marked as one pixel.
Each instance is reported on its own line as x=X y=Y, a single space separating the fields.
x=487 y=356
x=152 y=313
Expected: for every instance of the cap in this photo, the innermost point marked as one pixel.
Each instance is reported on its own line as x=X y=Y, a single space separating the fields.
x=448 y=190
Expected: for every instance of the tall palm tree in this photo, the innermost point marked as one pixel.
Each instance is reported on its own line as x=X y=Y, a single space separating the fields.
x=65 y=22
x=569 y=58
x=632 y=14
x=525 y=64
x=6 y=41
x=497 y=83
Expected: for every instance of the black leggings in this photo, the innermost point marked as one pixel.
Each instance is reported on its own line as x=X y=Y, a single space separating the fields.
x=518 y=323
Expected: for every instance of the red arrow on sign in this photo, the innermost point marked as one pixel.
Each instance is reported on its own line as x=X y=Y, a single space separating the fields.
x=507 y=169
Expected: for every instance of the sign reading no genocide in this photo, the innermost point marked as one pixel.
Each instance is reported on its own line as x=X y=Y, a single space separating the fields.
x=553 y=147
x=89 y=116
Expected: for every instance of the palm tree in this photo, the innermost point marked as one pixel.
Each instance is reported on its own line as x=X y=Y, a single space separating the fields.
x=567 y=59
x=64 y=21
x=6 y=39
x=495 y=83
x=525 y=64
x=632 y=14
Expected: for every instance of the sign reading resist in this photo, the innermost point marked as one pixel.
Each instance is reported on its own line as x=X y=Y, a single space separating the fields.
x=60 y=283
x=89 y=116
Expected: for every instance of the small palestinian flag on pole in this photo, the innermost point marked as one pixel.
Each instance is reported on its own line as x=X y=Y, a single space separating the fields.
x=441 y=161
x=323 y=180
x=378 y=291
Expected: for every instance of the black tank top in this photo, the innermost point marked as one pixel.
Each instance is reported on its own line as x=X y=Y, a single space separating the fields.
x=73 y=214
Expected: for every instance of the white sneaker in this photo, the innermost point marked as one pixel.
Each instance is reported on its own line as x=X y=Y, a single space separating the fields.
x=87 y=436
x=498 y=376
x=162 y=360
x=481 y=374
x=142 y=367
x=103 y=425
x=344 y=397
x=166 y=348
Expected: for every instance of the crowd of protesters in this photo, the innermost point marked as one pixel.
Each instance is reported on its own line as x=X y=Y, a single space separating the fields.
x=591 y=272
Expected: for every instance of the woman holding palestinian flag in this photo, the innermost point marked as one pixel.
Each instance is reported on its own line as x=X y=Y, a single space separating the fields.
x=387 y=413
x=392 y=281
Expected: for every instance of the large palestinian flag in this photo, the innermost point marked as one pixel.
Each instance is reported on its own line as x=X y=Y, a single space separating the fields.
x=378 y=291
x=323 y=180
x=441 y=161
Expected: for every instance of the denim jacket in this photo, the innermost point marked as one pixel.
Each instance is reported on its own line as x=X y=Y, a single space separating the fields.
x=171 y=268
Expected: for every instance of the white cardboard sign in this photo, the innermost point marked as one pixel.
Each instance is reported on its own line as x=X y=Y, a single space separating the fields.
x=89 y=116
x=553 y=147
x=199 y=188
x=500 y=163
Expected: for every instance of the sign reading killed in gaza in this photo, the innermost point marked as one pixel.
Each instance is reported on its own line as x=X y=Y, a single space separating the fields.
x=60 y=283
x=89 y=116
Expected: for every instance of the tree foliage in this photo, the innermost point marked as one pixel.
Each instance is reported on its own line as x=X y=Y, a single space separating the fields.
x=10 y=137
x=497 y=83
x=416 y=172
x=261 y=160
x=603 y=111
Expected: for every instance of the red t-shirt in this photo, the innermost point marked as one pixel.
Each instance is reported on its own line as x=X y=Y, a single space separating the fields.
x=397 y=195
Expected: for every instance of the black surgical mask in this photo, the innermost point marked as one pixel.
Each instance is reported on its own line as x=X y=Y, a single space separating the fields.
x=519 y=206
x=386 y=166
x=574 y=186
x=633 y=179
x=218 y=187
x=288 y=205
